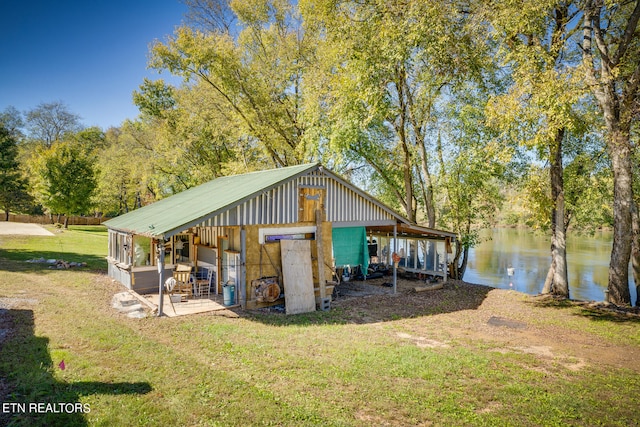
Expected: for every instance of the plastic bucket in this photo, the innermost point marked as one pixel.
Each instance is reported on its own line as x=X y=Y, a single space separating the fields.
x=229 y=294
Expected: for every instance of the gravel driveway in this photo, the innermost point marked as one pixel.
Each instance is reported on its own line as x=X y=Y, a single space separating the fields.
x=23 y=229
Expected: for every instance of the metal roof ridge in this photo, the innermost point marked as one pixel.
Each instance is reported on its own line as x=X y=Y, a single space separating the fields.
x=246 y=197
x=198 y=191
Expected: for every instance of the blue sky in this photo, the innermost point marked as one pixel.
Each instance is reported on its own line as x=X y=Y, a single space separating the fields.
x=91 y=55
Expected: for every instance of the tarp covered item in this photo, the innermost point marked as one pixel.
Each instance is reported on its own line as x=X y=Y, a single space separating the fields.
x=350 y=247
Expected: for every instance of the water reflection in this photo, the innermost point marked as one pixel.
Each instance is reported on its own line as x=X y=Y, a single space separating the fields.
x=528 y=254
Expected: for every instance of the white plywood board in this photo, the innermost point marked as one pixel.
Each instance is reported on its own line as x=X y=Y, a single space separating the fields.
x=297 y=275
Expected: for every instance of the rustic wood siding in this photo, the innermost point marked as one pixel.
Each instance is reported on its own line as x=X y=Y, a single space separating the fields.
x=264 y=260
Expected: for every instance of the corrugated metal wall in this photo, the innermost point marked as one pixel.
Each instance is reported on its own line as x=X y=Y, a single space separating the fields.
x=280 y=205
x=122 y=276
x=345 y=205
x=209 y=235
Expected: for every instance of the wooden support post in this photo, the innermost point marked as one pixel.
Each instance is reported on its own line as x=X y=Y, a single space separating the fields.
x=320 y=254
x=435 y=255
x=446 y=262
x=160 y=254
x=395 y=250
x=241 y=286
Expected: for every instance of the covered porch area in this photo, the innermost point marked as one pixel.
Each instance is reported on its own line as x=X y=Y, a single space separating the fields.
x=188 y=306
x=412 y=248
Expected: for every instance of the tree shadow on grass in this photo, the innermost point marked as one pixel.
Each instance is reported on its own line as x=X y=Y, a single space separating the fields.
x=382 y=307
x=18 y=260
x=590 y=310
x=92 y=229
x=30 y=394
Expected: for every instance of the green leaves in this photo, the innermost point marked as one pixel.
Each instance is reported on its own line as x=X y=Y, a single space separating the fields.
x=154 y=99
x=13 y=187
x=385 y=66
x=67 y=180
x=255 y=79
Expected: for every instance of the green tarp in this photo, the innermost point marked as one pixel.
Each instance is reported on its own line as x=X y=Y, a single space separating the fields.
x=350 y=247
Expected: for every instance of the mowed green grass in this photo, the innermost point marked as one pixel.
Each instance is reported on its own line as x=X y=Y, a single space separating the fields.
x=316 y=369
x=78 y=244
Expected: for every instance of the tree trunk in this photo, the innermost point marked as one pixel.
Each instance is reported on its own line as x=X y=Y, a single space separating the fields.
x=456 y=261
x=548 y=282
x=428 y=196
x=619 y=150
x=66 y=222
x=400 y=125
x=408 y=183
x=614 y=95
x=635 y=251
x=407 y=104
x=465 y=259
x=559 y=247
x=560 y=283
x=556 y=281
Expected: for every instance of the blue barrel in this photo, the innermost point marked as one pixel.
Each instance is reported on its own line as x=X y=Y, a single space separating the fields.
x=229 y=294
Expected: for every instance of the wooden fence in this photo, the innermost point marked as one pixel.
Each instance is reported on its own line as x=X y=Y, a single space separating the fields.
x=46 y=219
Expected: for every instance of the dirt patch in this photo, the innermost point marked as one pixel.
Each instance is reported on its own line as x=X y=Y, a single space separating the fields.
x=376 y=300
x=505 y=320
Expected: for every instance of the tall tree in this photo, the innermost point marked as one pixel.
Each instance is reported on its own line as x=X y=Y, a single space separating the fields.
x=66 y=179
x=387 y=64
x=124 y=172
x=611 y=49
x=253 y=76
x=635 y=246
x=472 y=165
x=542 y=101
x=49 y=121
x=194 y=135
x=13 y=187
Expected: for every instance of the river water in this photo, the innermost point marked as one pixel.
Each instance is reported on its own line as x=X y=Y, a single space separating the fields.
x=528 y=253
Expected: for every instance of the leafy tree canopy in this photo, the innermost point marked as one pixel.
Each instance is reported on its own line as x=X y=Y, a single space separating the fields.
x=13 y=187
x=65 y=179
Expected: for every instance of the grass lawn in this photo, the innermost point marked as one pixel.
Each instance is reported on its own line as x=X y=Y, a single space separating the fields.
x=270 y=369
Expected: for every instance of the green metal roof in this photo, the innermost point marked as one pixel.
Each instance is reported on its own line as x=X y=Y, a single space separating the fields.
x=169 y=216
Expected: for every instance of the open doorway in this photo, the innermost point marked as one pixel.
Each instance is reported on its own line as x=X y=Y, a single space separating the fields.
x=182 y=248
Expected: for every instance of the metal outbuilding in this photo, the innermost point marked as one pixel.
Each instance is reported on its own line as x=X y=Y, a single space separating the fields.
x=236 y=226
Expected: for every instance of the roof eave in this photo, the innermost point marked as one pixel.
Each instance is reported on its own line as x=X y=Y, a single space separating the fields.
x=169 y=232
